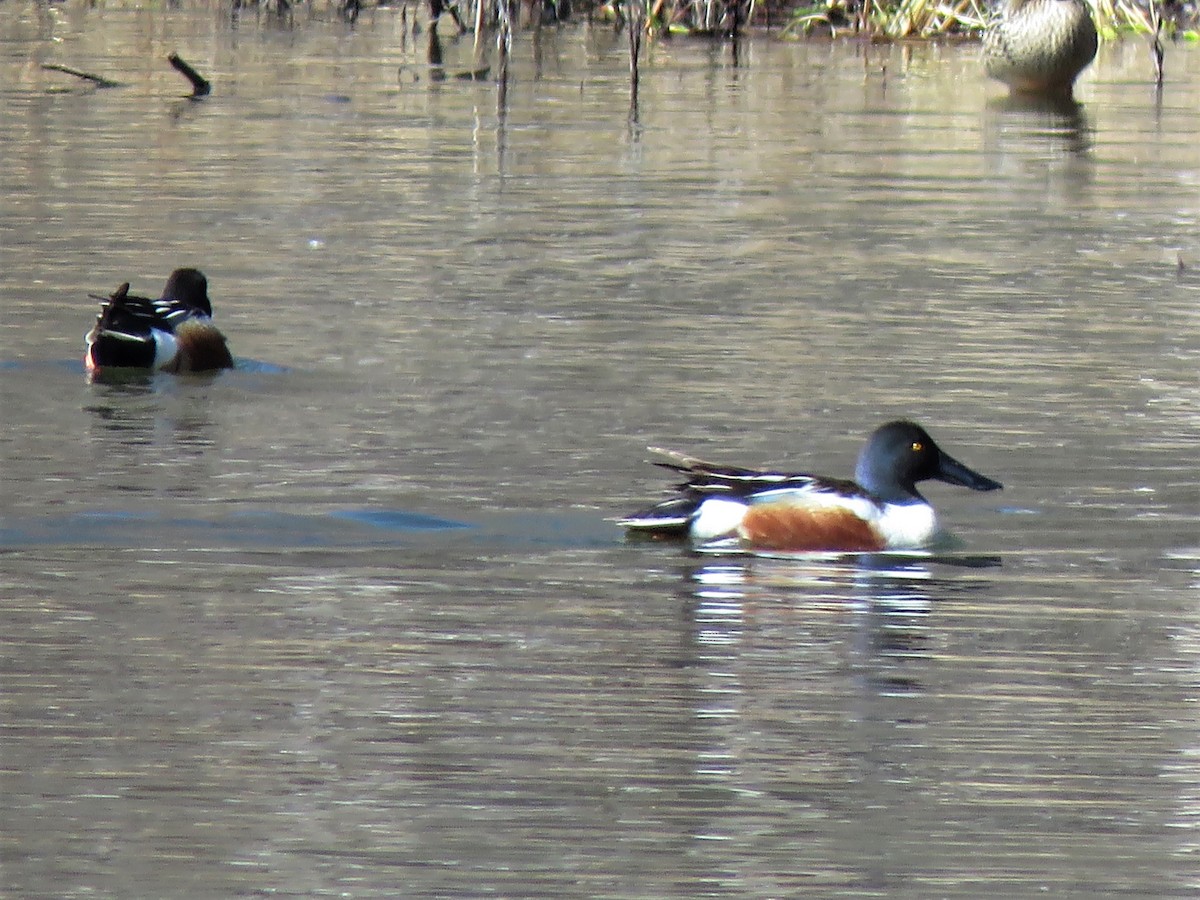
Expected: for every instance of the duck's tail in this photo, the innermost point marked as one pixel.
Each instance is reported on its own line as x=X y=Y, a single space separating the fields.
x=112 y=342
x=669 y=519
x=673 y=517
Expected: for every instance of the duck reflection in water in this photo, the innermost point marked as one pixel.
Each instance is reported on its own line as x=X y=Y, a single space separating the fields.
x=870 y=619
x=152 y=435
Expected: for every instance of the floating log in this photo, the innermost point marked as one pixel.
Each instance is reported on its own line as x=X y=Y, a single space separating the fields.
x=200 y=85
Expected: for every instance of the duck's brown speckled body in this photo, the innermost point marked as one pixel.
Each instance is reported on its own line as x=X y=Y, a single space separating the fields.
x=1039 y=46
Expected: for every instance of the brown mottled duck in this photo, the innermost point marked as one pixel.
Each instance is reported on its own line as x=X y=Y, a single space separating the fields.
x=1039 y=46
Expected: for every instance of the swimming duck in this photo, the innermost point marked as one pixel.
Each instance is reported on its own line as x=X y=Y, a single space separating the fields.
x=174 y=333
x=1039 y=46
x=729 y=506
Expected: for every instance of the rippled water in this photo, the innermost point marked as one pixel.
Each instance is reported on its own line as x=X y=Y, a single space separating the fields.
x=354 y=618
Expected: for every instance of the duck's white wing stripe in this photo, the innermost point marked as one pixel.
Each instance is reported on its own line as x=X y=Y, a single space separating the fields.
x=814 y=496
x=123 y=336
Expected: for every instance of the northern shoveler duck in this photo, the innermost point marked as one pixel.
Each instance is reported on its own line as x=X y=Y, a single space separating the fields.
x=1039 y=46
x=174 y=333
x=720 y=506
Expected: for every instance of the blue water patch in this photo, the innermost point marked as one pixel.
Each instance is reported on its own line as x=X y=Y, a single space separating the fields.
x=258 y=367
x=24 y=365
x=114 y=516
x=398 y=520
x=130 y=529
x=513 y=530
x=251 y=366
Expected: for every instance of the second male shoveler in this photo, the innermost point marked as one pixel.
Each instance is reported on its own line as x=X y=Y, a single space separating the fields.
x=174 y=333
x=787 y=511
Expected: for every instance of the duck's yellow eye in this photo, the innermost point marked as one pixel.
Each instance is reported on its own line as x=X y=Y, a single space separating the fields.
x=917 y=446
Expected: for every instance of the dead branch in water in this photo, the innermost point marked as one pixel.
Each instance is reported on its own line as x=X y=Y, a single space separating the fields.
x=503 y=50
x=437 y=7
x=200 y=85
x=1156 y=46
x=98 y=80
x=637 y=27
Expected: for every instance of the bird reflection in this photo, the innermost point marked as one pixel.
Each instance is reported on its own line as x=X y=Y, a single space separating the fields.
x=153 y=434
x=816 y=686
x=819 y=620
x=880 y=602
x=1055 y=123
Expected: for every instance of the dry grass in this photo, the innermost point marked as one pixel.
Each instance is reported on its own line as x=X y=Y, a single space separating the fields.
x=934 y=18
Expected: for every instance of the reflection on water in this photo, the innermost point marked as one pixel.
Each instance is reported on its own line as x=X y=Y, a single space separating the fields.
x=882 y=601
x=1062 y=123
x=152 y=435
x=1047 y=140
x=358 y=621
x=1064 y=114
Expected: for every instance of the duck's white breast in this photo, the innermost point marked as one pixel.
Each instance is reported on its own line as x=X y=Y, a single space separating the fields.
x=905 y=525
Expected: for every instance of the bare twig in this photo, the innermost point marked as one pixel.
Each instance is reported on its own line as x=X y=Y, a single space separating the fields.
x=98 y=80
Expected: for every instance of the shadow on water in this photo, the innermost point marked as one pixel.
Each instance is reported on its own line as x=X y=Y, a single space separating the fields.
x=135 y=376
x=336 y=529
x=149 y=379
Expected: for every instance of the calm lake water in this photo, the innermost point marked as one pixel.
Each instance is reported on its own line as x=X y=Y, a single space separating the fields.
x=354 y=619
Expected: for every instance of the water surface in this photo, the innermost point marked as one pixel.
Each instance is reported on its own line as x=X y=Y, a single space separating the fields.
x=353 y=619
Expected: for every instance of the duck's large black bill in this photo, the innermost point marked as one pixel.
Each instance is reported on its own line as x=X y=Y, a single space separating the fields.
x=951 y=471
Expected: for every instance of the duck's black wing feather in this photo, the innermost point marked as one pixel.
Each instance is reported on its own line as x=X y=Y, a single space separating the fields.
x=704 y=480
x=123 y=336
x=132 y=315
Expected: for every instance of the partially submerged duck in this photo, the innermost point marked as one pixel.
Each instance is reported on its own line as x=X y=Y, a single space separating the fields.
x=1039 y=46
x=174 y=333
x=753 y=509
